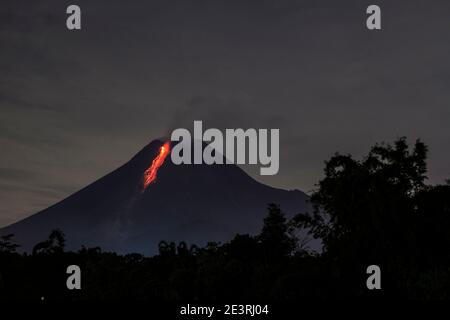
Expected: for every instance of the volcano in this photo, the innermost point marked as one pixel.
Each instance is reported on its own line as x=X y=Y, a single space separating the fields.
x=150 y=199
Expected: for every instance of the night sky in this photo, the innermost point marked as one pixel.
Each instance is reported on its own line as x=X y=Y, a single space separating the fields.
x=76 y=105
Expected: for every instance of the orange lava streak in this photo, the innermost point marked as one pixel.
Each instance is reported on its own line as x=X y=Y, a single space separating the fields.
x=150 y=174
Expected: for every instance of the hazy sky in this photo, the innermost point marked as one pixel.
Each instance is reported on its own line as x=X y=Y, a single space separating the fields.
x=76 y=105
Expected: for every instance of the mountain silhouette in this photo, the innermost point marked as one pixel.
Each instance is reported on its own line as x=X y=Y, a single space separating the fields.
x=192 y=203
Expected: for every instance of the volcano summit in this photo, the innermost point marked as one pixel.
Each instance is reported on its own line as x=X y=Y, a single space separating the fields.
x=150 y=199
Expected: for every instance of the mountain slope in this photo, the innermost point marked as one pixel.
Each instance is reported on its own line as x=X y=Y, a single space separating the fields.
x=193 y=203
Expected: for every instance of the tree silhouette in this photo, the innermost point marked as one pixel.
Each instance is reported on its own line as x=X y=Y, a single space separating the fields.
x=54 y=244
x=274 y=237
x=362 y=206
x=380 y=211
x=6 y=245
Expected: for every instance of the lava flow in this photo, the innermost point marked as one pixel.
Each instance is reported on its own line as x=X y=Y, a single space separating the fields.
x=150 y=174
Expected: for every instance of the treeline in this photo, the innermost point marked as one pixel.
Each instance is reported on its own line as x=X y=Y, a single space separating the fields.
x=374 y=211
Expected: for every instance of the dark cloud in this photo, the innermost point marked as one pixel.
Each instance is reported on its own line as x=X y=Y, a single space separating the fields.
x=16 y=174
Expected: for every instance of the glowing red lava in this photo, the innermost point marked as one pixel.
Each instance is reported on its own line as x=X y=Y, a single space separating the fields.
x=150 y=174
